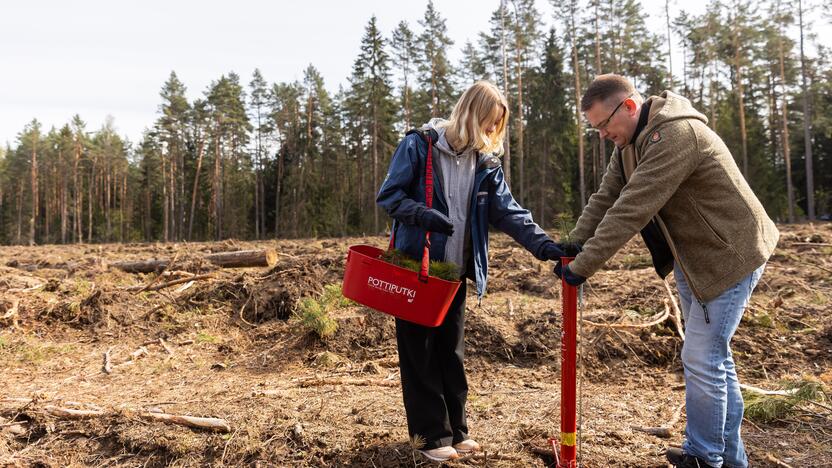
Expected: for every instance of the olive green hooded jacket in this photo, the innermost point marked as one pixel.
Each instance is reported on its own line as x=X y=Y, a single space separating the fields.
x=679 y=175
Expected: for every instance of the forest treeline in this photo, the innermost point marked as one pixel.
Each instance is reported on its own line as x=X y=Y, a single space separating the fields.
x=298 y=159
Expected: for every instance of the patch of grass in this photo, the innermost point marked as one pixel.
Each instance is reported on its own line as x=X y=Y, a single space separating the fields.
x=447 y=271
x=759 y=318
x=82 y=287
x=769 y=408
x=32 y=351
x=205 y=337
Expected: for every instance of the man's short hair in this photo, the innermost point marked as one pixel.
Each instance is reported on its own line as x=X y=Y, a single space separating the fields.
x=603 y=87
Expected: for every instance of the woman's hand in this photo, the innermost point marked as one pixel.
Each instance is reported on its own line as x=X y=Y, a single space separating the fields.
x=434 y=221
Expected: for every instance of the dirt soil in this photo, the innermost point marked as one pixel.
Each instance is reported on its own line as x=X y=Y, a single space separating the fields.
x=231 y=349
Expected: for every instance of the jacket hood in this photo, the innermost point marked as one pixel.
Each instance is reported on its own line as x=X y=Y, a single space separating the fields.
x=667 y=107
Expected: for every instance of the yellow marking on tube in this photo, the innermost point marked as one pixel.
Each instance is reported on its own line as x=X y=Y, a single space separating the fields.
x=567 y=438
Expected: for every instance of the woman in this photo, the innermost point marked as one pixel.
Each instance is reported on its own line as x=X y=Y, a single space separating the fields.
x=470 y=191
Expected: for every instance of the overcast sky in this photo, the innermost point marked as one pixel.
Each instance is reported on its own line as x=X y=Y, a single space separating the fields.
x=99 y=58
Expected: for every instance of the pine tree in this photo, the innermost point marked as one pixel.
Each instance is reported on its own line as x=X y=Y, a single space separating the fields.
x=371 y=86
x=435 y=71
x=172 y=128
x=258 y=102
x=405 y=54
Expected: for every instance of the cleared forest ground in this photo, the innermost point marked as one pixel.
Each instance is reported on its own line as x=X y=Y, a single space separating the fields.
x=231 y=349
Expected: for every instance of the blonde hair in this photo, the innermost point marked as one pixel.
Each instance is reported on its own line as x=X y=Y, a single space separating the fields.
x=472 y=114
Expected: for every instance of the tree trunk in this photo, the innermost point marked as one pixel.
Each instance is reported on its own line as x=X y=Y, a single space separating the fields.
x=76 y=197
x=375 y=168
x=787 y=158
x=18 y=238
x=217 y=187
x=507 y=141
x=165 y=204
x=34 y=182
x=63 y=202
x=598 y=70
x=578 y=121
x=669 y=47
x=740 y=100
x=807 y=126
x=90 y=197
x=277 y=190
x=519 y=118
x=200 y=154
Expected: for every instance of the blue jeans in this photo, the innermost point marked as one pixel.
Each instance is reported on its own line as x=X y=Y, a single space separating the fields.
x=713 y=400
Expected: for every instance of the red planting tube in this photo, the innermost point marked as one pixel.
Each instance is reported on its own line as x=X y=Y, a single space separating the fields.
x=568 y=422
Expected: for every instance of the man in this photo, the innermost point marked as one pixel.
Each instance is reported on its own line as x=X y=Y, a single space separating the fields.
x=673 y=179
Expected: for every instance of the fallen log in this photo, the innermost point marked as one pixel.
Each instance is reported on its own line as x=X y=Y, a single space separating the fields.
x=141 y=266
x=244 y=258
x=346 y=381
x=211 y=424
x=238 y=259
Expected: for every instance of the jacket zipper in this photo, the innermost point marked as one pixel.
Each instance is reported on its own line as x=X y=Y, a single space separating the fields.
x=672 y=249
x=684 y=271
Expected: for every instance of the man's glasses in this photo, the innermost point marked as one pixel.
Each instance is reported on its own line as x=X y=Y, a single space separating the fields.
x=603 y=124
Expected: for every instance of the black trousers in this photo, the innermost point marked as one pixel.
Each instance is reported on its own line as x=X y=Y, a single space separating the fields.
x=434 y=386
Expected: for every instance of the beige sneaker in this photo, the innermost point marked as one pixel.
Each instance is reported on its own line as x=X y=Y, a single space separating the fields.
x=468 y=446
x=440 y=454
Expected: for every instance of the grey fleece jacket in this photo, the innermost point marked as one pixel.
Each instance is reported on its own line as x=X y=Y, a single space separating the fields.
x=457 y=177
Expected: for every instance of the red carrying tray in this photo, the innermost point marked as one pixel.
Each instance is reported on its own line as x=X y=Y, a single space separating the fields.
x=394 y=290
x=408 y=295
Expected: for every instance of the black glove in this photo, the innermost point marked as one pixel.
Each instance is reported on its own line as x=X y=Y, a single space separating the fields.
x=434 y=221
x=572 y=249
x=571 y=278
x=552 y=251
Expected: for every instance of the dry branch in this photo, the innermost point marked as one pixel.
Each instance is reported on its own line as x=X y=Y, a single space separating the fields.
x=211 y=424
x=164 y=345
x=665 y=431
x=108 y=366
x=661 y=318
x=677 y=313
x=776 y=461
x=345 y=381
x=170 y=283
